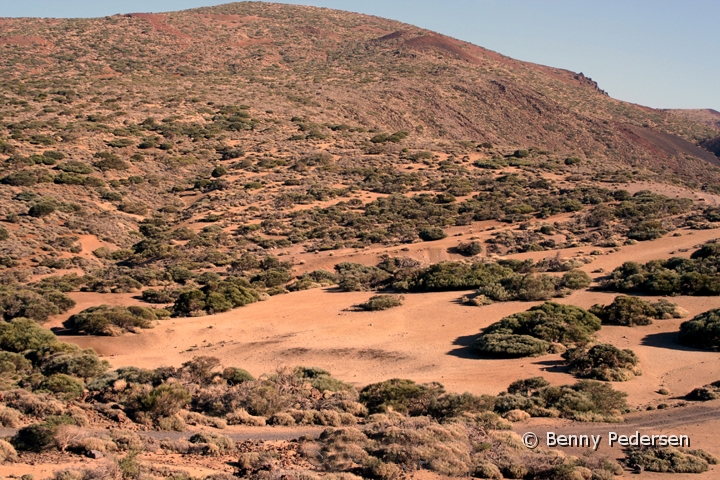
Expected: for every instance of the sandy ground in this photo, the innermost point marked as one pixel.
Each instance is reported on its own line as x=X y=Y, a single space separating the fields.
x=426 y=339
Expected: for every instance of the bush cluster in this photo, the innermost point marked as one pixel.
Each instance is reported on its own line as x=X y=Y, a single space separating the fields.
x=32 y=358
x=382 y=302
x=602 y=362
x=697 y=275
x=115 y=320
x=38 y=302
x=670 y=460
x=534 y=331
x=706 y=392
x=587 y=400
x=702 y=331
x=216 y=297
x=630 y=311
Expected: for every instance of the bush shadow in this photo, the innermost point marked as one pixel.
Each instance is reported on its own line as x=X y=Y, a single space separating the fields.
x=667 y=340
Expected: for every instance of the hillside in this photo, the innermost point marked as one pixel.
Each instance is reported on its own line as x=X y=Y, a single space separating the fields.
x=333 y=67
x=276 y=241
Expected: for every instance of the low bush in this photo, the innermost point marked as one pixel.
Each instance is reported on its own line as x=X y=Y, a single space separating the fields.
x=164 y=400
x=7 y=452
x=631 y=311
x=22 y=334
x=705 y=393
x=602 y=362
x=517 y=335
x=114 y=320
x=469 y=249
x=510 y=345
x=670 y=460
x=587 y=400
x=40 y=436
x=697 y=275
x=382 y=302
x=42 y=209
x=431 y=234
x=236 y=376
x=215 y=444
x=702 y=331
x=215 y=297
x=400 y=395
x=64 y=386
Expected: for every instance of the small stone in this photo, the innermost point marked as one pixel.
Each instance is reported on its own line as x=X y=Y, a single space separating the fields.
x=95 y=454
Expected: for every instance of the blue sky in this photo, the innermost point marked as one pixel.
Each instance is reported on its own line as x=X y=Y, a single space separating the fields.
x=660 y=53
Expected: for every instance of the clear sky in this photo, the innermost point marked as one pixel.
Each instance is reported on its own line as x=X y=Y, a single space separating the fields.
x=660 y=53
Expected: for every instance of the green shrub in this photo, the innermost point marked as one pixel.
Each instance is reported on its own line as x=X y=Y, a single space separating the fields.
x=321 y=379
x=587 y=400
x=702 y=331
x=113 y=320
x=236 y=376
x=159 y=296
x=631 y=311
x=576 y=279
x=697 y=275
x=63 y=386
x=110 y=161
x=222 y=444
x=382 y=302
x=23 y=334
x=551 y=322
x=219 y=171
x=400 y=395
x=40 y=436
x=74 y=166
x=469 y=249
x=705 y=393
x=165 y=400
x=648 y=230
x=217 y=297
x=602 y=362
x=510 y=346
x=133 y=208
x=394 y=138
x=42 y=209
x=354 y=277
x=431 y=234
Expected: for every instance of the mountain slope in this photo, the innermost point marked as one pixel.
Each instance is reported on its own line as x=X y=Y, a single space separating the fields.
x=340 y=67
